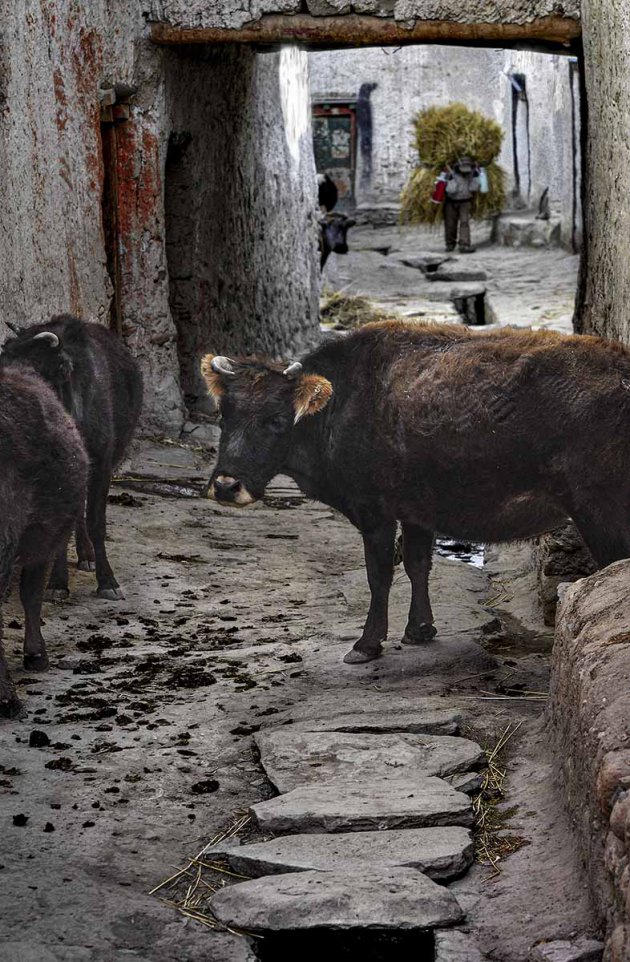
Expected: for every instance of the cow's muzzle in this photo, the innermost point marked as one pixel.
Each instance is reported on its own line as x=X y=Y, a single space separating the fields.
x=227 y=490
x=340 y=249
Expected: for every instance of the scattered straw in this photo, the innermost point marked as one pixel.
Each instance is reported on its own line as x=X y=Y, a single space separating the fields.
x=492 y=843
x=345 y=311
x=191 y=888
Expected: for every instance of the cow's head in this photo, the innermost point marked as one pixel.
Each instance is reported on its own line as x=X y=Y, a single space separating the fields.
x=260 y=404
x=41 y=350
x=335 y=229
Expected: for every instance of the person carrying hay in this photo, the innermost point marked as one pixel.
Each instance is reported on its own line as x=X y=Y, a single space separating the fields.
x=457 y=170
x=462 y=183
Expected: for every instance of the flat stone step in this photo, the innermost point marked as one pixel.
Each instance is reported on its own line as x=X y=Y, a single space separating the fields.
x=396 y=801
x=395 y=899
x=369 y=711
x=442 y=852
x=294 y=758
x=457 y=274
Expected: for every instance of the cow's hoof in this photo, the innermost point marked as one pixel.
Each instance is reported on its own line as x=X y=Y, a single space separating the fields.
x=357 y=657
x=420 y=636
x=86 y=565
x=111 y=594
x=36 y=662
x=56 y=595
x=11 y=706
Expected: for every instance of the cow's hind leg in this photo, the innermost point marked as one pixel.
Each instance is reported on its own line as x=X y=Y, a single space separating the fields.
x=100 y=479
x=9 y=702
x=379 y=561
x=86 y=559
x=417 y=557
x=32 y=585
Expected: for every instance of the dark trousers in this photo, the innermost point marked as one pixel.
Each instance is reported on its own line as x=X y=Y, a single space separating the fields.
x=457 y=212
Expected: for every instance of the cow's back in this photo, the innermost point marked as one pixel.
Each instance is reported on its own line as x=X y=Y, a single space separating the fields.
x=436 y=412
x=105 y=396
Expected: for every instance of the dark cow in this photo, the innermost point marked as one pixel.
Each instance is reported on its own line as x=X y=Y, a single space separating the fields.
x=43 y=476
x=333 y=235
x=327 y=192
x=100 y=385
x=484 y=437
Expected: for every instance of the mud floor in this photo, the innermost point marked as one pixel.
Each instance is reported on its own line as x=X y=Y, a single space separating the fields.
x=136 y=748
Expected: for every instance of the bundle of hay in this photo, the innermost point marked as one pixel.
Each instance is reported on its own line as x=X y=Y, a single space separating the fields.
x=442 y=134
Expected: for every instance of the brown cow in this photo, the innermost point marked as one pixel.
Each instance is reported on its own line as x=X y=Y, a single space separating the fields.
x=486 y=437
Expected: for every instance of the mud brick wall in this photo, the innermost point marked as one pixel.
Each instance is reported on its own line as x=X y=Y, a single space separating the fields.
x=241 y=222
x=589 y=716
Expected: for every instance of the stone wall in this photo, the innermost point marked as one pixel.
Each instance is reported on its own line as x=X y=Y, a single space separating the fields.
x=408 y=79
x=590 y=720
x=54 y=57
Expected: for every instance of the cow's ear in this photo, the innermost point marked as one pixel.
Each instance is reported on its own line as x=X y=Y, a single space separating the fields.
x=212 y=377
x=311 y=395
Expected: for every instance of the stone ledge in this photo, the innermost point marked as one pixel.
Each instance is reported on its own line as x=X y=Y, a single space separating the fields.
x=590 y=718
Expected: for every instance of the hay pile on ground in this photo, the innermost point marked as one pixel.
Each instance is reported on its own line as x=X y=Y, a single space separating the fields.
x=442 y=134
x=343 y=311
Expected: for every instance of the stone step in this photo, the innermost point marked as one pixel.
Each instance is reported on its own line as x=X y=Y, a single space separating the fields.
x=396 y=801
x=399 y=899
x=443 y=852
x=371 y=711
x=295 y=758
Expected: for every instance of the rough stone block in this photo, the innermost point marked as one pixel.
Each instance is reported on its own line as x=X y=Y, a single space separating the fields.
x=294 y=758
x=441 y=852
x=379 y=803
x=579 y=950
x=589 y=709
x=456 y=274
x=398 y=899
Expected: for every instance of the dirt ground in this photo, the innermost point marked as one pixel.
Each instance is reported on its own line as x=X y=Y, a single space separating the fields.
x=231 y=619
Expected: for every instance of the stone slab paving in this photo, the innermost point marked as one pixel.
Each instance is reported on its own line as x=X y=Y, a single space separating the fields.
x=399 y=899
x=441 y=852
x=398 y=801
x=292 y=759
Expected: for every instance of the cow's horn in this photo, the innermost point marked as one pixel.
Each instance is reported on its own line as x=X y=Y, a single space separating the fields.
x=293 y=368
x=52 y=339
x=222 y=365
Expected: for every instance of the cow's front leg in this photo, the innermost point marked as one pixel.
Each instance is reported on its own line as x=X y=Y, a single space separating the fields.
x=58 y=580
x=417 y=558
x=378 y=544
x=86 y=559
x=32 y=585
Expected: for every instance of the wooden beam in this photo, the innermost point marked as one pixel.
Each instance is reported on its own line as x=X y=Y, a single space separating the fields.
x=358 y=30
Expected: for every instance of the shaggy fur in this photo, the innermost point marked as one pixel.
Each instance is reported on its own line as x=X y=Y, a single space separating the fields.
x=490 y=437
x=100 y=385
x=43 y=474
